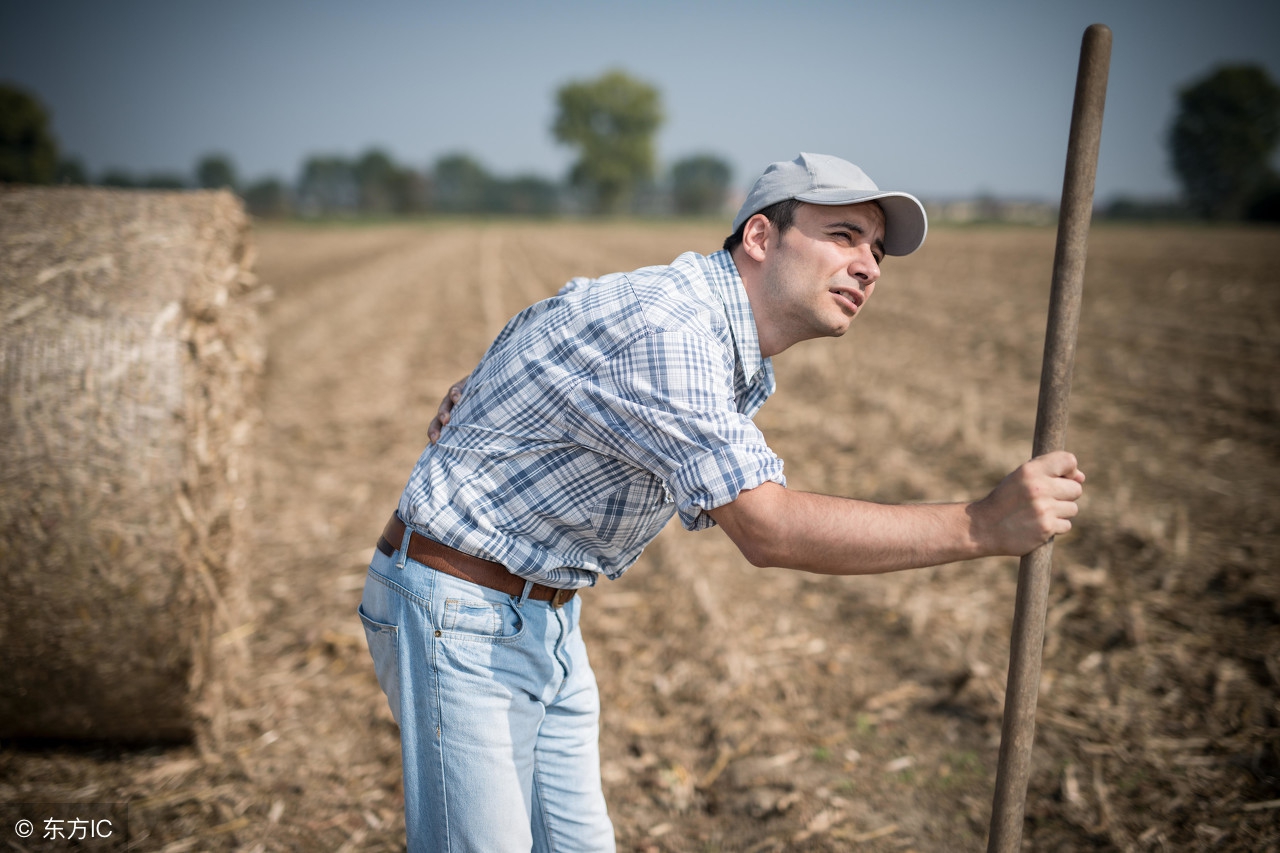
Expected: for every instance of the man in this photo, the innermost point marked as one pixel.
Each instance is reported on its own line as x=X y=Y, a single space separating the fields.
x=593 y=418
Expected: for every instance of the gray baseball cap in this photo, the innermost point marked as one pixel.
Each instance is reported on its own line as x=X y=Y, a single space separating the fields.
x=823 y=179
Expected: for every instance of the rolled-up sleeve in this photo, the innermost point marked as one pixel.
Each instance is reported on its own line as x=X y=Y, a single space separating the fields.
x=718 y=477
x=665 y=404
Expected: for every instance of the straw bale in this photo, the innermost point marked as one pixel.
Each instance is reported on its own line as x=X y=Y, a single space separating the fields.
x=129 y=357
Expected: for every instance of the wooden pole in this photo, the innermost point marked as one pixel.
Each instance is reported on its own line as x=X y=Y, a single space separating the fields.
x=1027 y=641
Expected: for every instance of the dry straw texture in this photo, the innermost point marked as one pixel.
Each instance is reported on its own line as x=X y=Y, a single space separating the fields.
x=127 y=374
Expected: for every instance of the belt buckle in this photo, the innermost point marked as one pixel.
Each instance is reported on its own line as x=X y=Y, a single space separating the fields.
x=560 y=596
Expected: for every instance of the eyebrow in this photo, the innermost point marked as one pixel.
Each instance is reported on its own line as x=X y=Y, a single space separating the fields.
x=853 y=226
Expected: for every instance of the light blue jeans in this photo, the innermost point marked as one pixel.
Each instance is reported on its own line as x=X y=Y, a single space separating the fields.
x=498 y=712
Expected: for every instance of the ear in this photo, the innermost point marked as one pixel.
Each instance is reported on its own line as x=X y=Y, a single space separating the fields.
x=756 y=234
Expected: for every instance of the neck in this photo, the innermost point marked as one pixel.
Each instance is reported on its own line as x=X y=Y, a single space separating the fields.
x=749 y=270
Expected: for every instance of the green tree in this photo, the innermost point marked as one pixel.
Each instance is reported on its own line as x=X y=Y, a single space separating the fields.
x=71 y=172
x=119 y=178
x=459 y=185
x=700 y=184
x=376 y=174
x=164 y=181
x=1265 y=204
x=216 y=171
x=523 y=195
x=1227 y=126
x=387 y=187
x=124 y=179
x=268 y=199
x=612 y=121
x=328 y=185
x=28 y=150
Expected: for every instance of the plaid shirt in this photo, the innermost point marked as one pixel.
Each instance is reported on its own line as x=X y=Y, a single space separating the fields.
x=594 y=417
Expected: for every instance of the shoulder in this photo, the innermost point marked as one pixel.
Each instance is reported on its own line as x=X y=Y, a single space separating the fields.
x=678 y=297
x=593 y=321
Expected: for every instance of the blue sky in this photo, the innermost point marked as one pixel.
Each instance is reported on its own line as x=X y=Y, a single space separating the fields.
x=940 y=99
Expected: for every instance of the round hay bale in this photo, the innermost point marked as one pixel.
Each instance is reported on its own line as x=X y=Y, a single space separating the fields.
x=129 y=354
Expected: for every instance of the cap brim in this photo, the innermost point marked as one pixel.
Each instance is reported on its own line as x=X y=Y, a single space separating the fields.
x=905 y=222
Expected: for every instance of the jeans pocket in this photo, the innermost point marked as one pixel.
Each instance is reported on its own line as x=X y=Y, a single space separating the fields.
x=480 y=619
x=384 y=648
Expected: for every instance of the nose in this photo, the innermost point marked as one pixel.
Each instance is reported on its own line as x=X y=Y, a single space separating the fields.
x=864 y=268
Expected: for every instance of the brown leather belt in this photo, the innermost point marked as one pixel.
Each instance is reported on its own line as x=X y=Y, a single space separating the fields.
x=486 y=573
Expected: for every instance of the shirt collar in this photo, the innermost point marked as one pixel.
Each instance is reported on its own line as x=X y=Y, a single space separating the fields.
x=723 y=272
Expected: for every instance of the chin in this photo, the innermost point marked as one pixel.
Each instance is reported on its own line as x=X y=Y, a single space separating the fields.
x=839 y=331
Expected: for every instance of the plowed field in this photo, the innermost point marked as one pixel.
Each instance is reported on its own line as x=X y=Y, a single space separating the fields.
x=749 y=709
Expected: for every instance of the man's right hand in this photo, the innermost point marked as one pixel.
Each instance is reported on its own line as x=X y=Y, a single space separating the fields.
x=450 y=400
x=1033 y=504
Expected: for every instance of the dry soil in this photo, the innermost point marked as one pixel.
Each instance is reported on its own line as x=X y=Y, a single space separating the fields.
x=752 y=709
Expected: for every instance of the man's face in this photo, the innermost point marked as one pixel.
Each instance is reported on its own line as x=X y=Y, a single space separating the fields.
x=821 y=271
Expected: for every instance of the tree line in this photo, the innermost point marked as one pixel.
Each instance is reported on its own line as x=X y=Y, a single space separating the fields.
x=611 y=121
x=1221 y=146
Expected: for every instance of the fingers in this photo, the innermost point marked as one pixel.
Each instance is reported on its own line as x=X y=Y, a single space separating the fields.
x=451 y=398
x=445 y=412
x=1053 y=475
x=1060 y=488
x=1063 y=479
x=439 y=421
x=1059 y=463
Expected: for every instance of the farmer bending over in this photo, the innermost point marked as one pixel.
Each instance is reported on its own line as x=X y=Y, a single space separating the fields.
x=593 y=418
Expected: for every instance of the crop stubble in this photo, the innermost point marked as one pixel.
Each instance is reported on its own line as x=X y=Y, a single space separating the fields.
x=751 y=709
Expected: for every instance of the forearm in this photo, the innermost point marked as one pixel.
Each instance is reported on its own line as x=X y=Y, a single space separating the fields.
x=774 y=526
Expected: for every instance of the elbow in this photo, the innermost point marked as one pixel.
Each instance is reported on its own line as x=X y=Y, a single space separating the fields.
x=757 y=553
x=760 y=543
x=755 y=523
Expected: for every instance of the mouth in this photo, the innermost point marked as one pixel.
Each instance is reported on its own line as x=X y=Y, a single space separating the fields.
x=850 y=299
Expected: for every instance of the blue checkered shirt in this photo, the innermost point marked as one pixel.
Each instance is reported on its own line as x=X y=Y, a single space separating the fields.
x=594 y=417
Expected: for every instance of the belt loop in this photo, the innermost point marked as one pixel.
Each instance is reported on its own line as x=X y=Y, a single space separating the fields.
x=524 y=596
x=404 y=544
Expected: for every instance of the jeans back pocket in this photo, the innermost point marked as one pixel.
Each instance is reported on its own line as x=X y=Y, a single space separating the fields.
x=384 y=648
